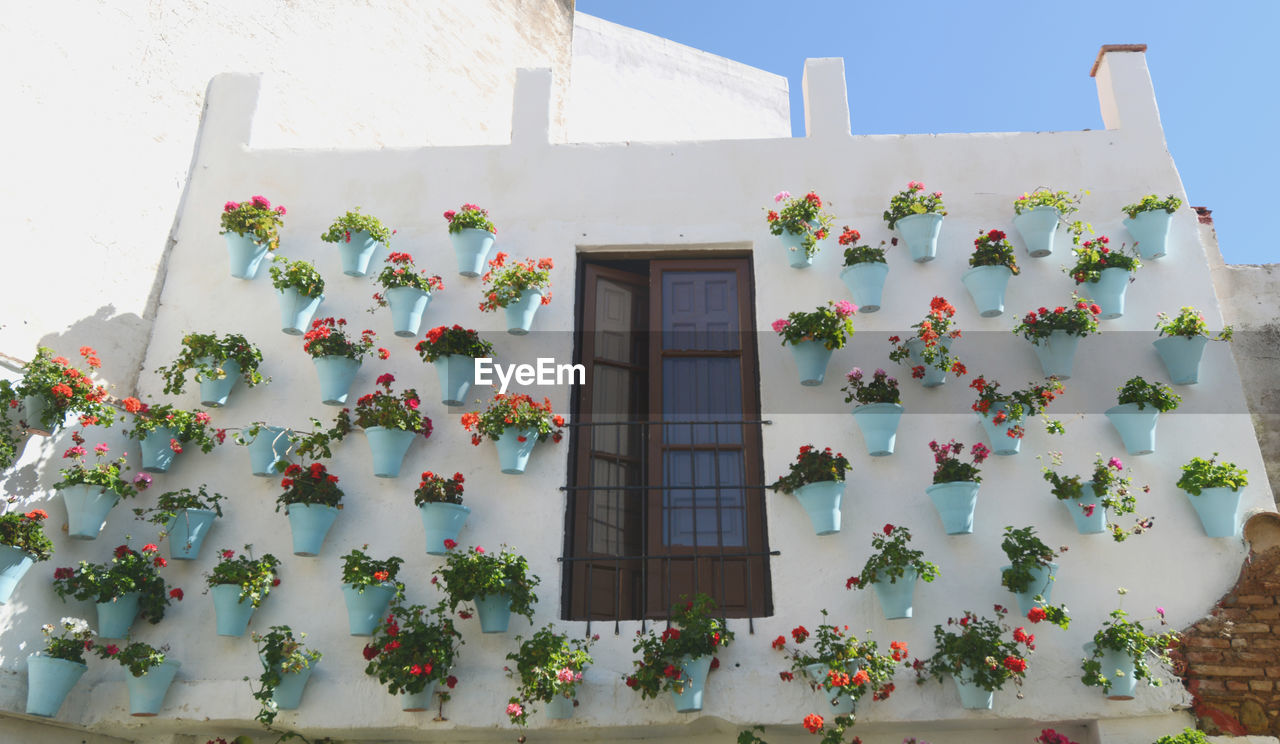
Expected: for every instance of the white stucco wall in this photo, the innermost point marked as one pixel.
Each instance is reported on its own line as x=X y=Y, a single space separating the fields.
x=559 y=200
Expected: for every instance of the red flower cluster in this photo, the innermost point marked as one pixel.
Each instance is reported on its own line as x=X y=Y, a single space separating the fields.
x=799 y=633
x=813 y=723
x=1036 y=614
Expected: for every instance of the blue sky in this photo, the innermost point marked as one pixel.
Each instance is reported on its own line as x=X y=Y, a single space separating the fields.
x=980 y=65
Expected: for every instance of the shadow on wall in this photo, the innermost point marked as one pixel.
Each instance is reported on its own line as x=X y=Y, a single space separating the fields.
x=121 y=342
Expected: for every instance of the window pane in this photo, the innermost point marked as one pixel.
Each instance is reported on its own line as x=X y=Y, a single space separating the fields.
x=700 y=310
x=702 y=389
x=702 y=504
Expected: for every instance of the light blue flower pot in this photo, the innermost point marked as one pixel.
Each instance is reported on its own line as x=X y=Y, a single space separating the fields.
x=1041 y=584
x=987 y=285
x=214 y=393
x=87 y=509
x=494 y=612
x=839 y=704
x=146 y=693
x=1117 y=667
x=1181 y=357
x=865 y=282
x=49 y=680
x=336 y=374
x=695 y=672
x=416 y=702
x=366 y=609
x=998 y=434
x=310 y=524
x=879 y=425
x=560 y=708
x=1087 y=524
x=973 y=697
x=520 y=313
x=471 y=246
x=821 y=501
x=187 y=531
x=1150 y=230
x=14 y=564
x=797 y=258
x=956 y=503
x=269 y=447
x=513 y=455
x=442 y=522
x=897 y=597
x=288 y=694
x=297 y=310
x=811 y=358
x=1037 y=226
x=407 y=306
x=1108 y=292
x=1057 y=354
x=920 y=232
x=389 y=447
x=33 y=408
x=933 y=377
x=456 y=373
x=1137 y=427
x=357 y=252
x=1219 y=511
x=232 y=614
x=117 y=616
x=157 y=450
x=246 y=254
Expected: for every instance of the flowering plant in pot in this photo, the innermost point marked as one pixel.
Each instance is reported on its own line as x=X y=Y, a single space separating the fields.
x=879 y=408
x=1181 y=343
x=469 y=217
x=1118 y=656
x=1137 y=409
x=515 y=422
x=251 y=228
x=164 y=431
x=22 y=544
x=812 y=337
x=1090 y=501
x=252 y=578
x=917 y=215
x=993 y=264
x=1037 y=214
x=472 y=236
x=300 y=289
x=268 y=446
x=51 y=389
x=369 y=585
x=311 y=499
x=52 y=672
x=337 y=356
x=184 y=516
x=1214 y=490
x=865 y=270
x=286 y=666
x=1148 y=222
x=1188 y=736
x=406 y=289
x=1105 y=272
x=954 y=492
x=499 y=585
x=1056 y=333
x=1005 y=413
x=927 y=351
x=137 y=657
x=151 y=671
x=549 y=667
x=678 y=659
x=978 y=656
x=801 y=223
x=840 y=665
x=90 y=491
x=128 y=586
x=1031 y=570
x=453 y=352
x=1152 y=203
x=357 y=236
x=816 y=477
x=439 y=501
x=390 y=423
x=13 y=431
x=412 y=651
x=520 y=287
x=217 y=362
x=893 y=569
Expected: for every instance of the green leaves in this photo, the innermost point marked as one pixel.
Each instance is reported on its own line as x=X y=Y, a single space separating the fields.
x=1157 y=395
x=1200 y=473
x=1151 y=203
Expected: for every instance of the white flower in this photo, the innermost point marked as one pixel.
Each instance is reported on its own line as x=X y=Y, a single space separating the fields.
x=76 y=625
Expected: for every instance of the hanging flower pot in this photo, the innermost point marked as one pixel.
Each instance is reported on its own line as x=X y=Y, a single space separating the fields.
x=811 y=358
x=416 y=702
x=1109 y=290
x=297 y=310
x=357 y=251
x=865 y=282
x=365 y=609
x=800 y=224
x=246 y=254
x=310 y=524
x=560 y=708
x=1137 y=427
x=1118 y=668
x=879 y=425
x=87 y=509
x=897 y=597
x=1041 y=584
x=33 y=408
x=215 y=391
x=457 y=374
x=389 y=446
x=797 y=256
x=998 y=433
x=494 y=611
x=157 y=449
x=694 y=674
x=514 y=447
x=14 y=564
x=49 y=681
x=987 y=285
x=336 y=374
x=840 y=703
x=813 y=336
x=187 y=531
x=956 y=503
x=1089 y=514
x=1057 y=354
x=442 y=521
x=520 y=312
x=146 y=693
x=1181 y=356
x=232 y=614
x=972 y=695
x=471 y=247
x=407 y=306
x=288 y=694
x=268 y=447
x=1037 y=226
x=117 y=616
x=821 y=501
x=933 y=376
x=1150 y=231
x=920 y=232
x=1219 y=511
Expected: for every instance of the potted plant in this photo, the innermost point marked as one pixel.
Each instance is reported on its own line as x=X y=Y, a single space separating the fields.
x=13 y=431
x=368 y=586
x=816 y=478
x=679 y=659
x=1090 y=501
x=1181 y=343
x=813 y=336
x=439 y=502
x=1214 y=490
x=499 y=585
x=918 y=217
x=286 y=666
x=413 y=650
x=977 y=656
x=51 y=389
x=357 y=235
x=955 y=484
x=311 y=500
x=22 y=544
x=839 y=665
x=893 y=569
x=1139 y=405
x=801 y=223
x=406 y=289
x=124 y=588
x=993 y=264
x=164 y=431
x=515 y=422
x=1031 y=570
x=337 y=356
x=1117 y=658
x=52 y=673
x=238 y=584
x=879 y=410
x=1148 y=222
x=453 y=352
x=865 y=270
x=390 y=423
x=300 y=289
x=1003 y=414
x=90 y=492
x=151 y=671
x=1105 y=273
x=1188 y=736
x=472 y=236
x=928 y=351
x=1036 y=216
x=519 y=287
x=185 y=517
x=268 y=447
x=549 y=667
x=1055 y=334
x=218 y=364
x=251 y=228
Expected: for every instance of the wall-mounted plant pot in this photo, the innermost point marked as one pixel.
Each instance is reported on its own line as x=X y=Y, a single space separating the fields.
x=288 y=694
x=1057 y=354
x=1181 y=357
x=933 y=377
x=811 y=359
x=865 y=282
x=146 y=693
x=336 y=374
x=471 y=247
x=560 y=708
x=14 y=564
x=49 y=681
x=440 y=522
x=456 y=373
x=998 y=434
x=514 y=447
x=1041 y=583
x=987 y=285
x=797 y=257
x=416 y=702
x=246 y=254
x=296 y=310
x=1118 y=668
x=365 y=609
x=357 y=252
x=1037 y=226
x=33 y=408
x=231 y=614
x=157 y=449
x=956 y=503
x=694 y=671
x=972 y=696
x=214 y=392
x=494 y=611
x=1150 y=231
x=521 y=312
x=186 y=532
x=920 y=233
x=821 y=501
x=407 y=306
x=879 y=425
x=388 y=446
x=310 y=525
x=1088 y=521
x=87 y=509
x=117 y=616
x=1219 y=511
x=1109 y=292
x=1137 y=427
x=269 y=447
x=897 y=597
